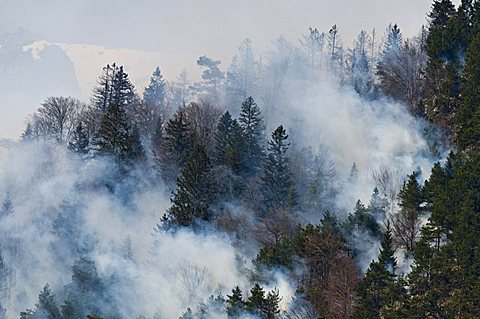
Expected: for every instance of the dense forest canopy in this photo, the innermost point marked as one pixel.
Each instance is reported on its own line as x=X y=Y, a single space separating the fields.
x=318 y=181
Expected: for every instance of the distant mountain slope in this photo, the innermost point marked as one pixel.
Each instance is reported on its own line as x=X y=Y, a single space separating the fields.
x=90 y=59
x=32 y=69
x=28 y=74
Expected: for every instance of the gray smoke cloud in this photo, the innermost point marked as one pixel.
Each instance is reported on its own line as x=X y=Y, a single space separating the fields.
x=59 y=210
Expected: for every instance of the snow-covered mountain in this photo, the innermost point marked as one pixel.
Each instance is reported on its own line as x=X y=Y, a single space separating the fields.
x=90 y=59
x=31 y=69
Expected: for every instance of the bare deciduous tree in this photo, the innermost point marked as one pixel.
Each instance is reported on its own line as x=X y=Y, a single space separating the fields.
x=203 y=119
x=388 y=182
x=56 y=118
x=406 y=228
x=401 y=73
x=277 y=225
x=341 y=287
x=191 y=278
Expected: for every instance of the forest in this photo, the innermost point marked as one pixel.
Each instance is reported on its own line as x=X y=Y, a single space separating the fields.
x=314 y=181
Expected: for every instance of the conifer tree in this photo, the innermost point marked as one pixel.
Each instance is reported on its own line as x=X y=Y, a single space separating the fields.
x=113 y=86
x=271 y=308
x=251 y=122
x=362 y=219
x=437 y=44
x=79 y=142
x=195 y=190
x=222 y=137
x=468 y=118
x=406 y=223
x=277 y=178
x=235 y=153
x=235 y=303
x=178 y=138
x=377 y=289
x=46 y=304
x=28 y=134
x=122 y=89
x=4 y=279
x=378 y=205
x=154 y=93
x=116 y=137
x=7 y=205
x=256 y=301
x=230 y=144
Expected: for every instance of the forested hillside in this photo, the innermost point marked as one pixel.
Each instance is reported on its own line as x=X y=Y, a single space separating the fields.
x=312 y=181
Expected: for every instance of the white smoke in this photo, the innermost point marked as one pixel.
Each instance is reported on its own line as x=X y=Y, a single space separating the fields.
x=156 y=273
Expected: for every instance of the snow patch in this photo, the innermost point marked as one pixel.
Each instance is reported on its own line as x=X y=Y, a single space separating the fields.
x=35 y=48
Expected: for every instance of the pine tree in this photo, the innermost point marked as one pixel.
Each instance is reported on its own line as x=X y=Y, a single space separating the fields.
x=437 y=44
x=241 y=75
x=7 y=205
x=230 y=144
x=79 y=142
x=212 y=76
x=222 y=137
x=4 y=279
x=251 y=122
x=361 y=75
x=46 y=304
x=468 y=118
x=117 y=138
x=236 y=150
x=122 y=89
x=114 y=86
x=394 y=39
x=411 y=196
x=155 y=92
x=378 y=205
x=102 y=92
x=406 y=223
x=28 y=134
x=256 y=301
x=271 y=308
x=195 y=190
x=443 y=69
x=187 y=314
x=362 y=219
x=235 y=303
x=377 y=290
x=178 y=138
x=276 y=182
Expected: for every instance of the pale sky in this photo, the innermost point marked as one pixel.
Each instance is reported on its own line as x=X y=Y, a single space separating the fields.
x=213 y=27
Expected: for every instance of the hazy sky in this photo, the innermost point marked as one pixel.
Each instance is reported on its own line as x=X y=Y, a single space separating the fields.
x=213 y=27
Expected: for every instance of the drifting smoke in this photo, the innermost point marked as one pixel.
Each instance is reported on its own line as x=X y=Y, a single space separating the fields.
x=62 y=210
x=66 y=208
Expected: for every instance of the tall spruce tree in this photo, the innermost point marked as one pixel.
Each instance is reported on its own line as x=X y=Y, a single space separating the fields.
x=256 y=301
x=468 y=117
x=276 y=182
x=377 y=291
x=122 y=89
x=79 y=142
x=251 y=122
x=230 y=144
x=116 y=137
x=177 y=144
x=47 y=305
x=195 y=191
x=222 y=137
x=113 y=86
x=154 y=93
x=235 y=304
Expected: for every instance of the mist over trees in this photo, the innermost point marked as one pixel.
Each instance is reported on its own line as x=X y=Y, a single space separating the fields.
x=224 y=198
